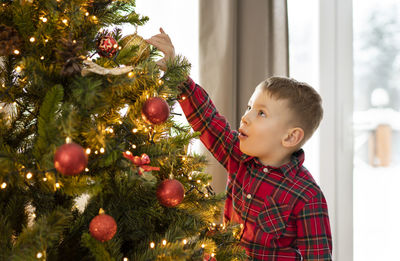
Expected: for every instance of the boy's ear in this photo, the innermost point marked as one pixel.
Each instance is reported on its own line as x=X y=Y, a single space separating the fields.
x=293 y=137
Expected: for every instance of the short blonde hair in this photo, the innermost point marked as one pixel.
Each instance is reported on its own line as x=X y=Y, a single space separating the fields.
x=303 y=101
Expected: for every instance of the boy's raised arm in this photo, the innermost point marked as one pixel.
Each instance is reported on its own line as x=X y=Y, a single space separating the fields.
x=201 y=113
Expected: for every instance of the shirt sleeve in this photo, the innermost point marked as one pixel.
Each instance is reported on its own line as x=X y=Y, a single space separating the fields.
x=216 y=134
x=314 y=239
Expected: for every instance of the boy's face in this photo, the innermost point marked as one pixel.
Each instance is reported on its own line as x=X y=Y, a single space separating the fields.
x=264 y=125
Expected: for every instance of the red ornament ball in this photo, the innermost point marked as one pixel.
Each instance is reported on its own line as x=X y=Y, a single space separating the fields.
x=155 y=110
x=70 y=159
x=107 y=46
x=170 y=193
x=103 y=227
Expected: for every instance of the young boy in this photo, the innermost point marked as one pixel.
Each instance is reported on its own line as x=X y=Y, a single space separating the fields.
x=281 y=209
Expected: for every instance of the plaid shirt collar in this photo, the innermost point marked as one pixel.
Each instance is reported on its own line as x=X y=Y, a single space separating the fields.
x=289 y=169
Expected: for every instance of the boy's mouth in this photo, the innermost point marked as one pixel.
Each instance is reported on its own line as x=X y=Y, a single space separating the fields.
x=242 y=134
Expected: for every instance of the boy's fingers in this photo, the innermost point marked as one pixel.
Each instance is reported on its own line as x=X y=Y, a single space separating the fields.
x=160 y=39
x=161 y=30
x=157 y=42
x=162 y=36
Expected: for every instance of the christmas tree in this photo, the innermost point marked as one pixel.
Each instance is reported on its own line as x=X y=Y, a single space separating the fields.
x=85 y=115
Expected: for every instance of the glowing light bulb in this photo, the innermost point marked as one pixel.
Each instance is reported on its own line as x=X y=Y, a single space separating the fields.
x=102 y=150
x=87 y=14
x=152 y=245
x=128 y=152
x=130 y=74
x=44 y=19
x=16 y=51
x=42 y=58
x=18 y=69
x=203 y=246
x=86 y=169
x=57 y=185
x=44 y=179
x=164 y=242
x=88 y=150
x=184 y=241
x=39 y=255
x=133 y=146
x=135 y=130
x=3 y=185
x=29 y=175
x=32 y=39
x=65 y=21
x=68 y=140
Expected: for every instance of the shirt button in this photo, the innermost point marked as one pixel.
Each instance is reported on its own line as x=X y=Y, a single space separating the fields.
x=265 y=170
x=249 y=196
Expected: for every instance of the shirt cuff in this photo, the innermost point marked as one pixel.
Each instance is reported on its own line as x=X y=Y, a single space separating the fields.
x=187 y=88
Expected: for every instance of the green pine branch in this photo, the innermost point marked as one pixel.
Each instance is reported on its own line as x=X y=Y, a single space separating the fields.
x=41 y=237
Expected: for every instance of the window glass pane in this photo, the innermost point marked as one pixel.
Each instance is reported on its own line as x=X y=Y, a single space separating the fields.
x=304 y=60
x=376 y=26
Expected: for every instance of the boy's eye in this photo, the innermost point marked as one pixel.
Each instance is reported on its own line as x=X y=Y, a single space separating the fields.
x=248 y=108
x=261 y=113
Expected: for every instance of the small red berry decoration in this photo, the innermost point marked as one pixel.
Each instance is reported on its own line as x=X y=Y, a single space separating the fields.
x=170 y=193
x=140 y=162
x=208 y=257
x=103 y=227
x=155 y=111
x=70 y=159
x=107 y=46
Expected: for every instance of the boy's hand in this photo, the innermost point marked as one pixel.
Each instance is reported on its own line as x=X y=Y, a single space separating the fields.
x=163 y=43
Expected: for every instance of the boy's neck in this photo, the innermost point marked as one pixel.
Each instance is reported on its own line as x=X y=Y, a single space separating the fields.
x=277 y=161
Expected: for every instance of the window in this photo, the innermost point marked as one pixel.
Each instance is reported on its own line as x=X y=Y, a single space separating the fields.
x=376 y=128
x=304 y=62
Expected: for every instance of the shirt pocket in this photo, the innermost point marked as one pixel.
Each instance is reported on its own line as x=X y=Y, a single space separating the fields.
x=273 y=218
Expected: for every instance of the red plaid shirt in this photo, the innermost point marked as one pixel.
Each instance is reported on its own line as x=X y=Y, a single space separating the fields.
x=283 y=211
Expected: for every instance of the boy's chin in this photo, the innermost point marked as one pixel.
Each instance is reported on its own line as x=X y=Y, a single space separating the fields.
x=243 y=150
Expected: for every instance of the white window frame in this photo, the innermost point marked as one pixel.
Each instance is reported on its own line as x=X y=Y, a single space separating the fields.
x=336 y=131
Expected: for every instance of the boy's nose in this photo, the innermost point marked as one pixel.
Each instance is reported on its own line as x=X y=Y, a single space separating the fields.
x=245 y=118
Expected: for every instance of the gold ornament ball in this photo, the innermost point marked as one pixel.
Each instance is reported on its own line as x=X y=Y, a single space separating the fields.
x=143 y=51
